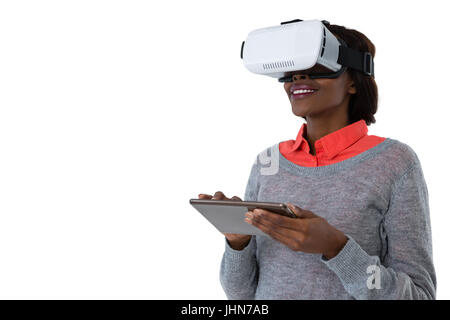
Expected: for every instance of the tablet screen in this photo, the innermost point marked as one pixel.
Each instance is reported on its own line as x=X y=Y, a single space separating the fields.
x=228 y=216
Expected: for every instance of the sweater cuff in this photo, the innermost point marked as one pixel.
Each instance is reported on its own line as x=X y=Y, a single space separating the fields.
x=350 y=264
x=235 y=258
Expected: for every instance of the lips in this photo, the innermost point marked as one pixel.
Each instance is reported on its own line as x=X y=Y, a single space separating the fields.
x=302 y=86
x=301 y=95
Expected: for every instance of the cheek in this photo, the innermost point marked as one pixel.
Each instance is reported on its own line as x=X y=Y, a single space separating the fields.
x=332 y=93
x=287 y=88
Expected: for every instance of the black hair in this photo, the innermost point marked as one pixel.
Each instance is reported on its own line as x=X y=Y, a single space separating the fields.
x=364 y=103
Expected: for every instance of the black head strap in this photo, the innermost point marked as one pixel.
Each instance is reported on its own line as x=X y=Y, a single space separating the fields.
x=356 y=59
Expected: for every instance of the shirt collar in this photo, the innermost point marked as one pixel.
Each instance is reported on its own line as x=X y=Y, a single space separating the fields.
x=333 y=143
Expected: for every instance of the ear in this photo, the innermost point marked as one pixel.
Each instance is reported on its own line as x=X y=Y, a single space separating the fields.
x=352 y=88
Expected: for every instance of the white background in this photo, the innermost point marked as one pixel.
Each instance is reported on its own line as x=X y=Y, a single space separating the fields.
x=113 y=114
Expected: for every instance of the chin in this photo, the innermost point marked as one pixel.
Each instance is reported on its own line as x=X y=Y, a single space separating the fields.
x=299 y=112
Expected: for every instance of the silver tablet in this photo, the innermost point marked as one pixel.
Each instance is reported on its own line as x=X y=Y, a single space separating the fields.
x=228 y=215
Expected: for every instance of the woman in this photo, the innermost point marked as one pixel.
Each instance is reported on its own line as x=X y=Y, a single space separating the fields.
x=363 y=228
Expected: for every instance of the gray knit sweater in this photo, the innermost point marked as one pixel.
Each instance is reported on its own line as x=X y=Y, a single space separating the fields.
x=378 y=198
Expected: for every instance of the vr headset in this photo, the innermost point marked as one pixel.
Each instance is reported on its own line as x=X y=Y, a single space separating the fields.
x=305 y=47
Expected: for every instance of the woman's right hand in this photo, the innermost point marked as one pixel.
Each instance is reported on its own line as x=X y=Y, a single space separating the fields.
x=236 y=241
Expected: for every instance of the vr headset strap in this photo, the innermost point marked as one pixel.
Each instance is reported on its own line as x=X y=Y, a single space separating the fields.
x=355 y=59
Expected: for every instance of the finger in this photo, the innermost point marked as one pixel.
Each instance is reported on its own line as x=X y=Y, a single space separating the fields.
x=282 y=221
x=283 y=235
x=204 y=196
x=235 y=198
x=299 y=212
x=219 y=195
x=261 y=217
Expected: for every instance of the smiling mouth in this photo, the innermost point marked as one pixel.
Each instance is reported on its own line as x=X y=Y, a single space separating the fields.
x=298 y=94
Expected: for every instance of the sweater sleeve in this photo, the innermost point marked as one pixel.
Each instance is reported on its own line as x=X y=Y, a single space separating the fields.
x=407 y=270
x=239 y=268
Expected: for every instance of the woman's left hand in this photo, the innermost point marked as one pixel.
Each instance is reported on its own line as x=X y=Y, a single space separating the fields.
x=308 y=233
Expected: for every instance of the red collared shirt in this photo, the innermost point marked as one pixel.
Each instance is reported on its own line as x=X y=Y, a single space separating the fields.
x=339 y=145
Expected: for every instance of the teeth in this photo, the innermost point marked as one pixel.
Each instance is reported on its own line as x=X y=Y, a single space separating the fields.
x=302 y=91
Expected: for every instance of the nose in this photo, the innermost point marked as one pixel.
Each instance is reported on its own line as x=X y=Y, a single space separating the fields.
x=299 y=76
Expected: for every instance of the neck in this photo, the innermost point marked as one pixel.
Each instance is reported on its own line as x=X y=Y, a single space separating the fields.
x=318 y=128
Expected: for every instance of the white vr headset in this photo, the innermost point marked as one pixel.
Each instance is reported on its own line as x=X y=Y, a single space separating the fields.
x=306 y=46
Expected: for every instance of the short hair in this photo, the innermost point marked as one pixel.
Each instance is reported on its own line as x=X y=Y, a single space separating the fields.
x=364 y=103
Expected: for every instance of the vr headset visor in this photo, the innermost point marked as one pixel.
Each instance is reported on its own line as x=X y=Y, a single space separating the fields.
x=305 y=47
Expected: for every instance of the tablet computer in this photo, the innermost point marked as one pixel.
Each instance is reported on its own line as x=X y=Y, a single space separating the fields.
x=228 y=215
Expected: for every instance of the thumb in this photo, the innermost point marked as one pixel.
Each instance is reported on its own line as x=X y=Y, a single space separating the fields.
x=299 y=212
